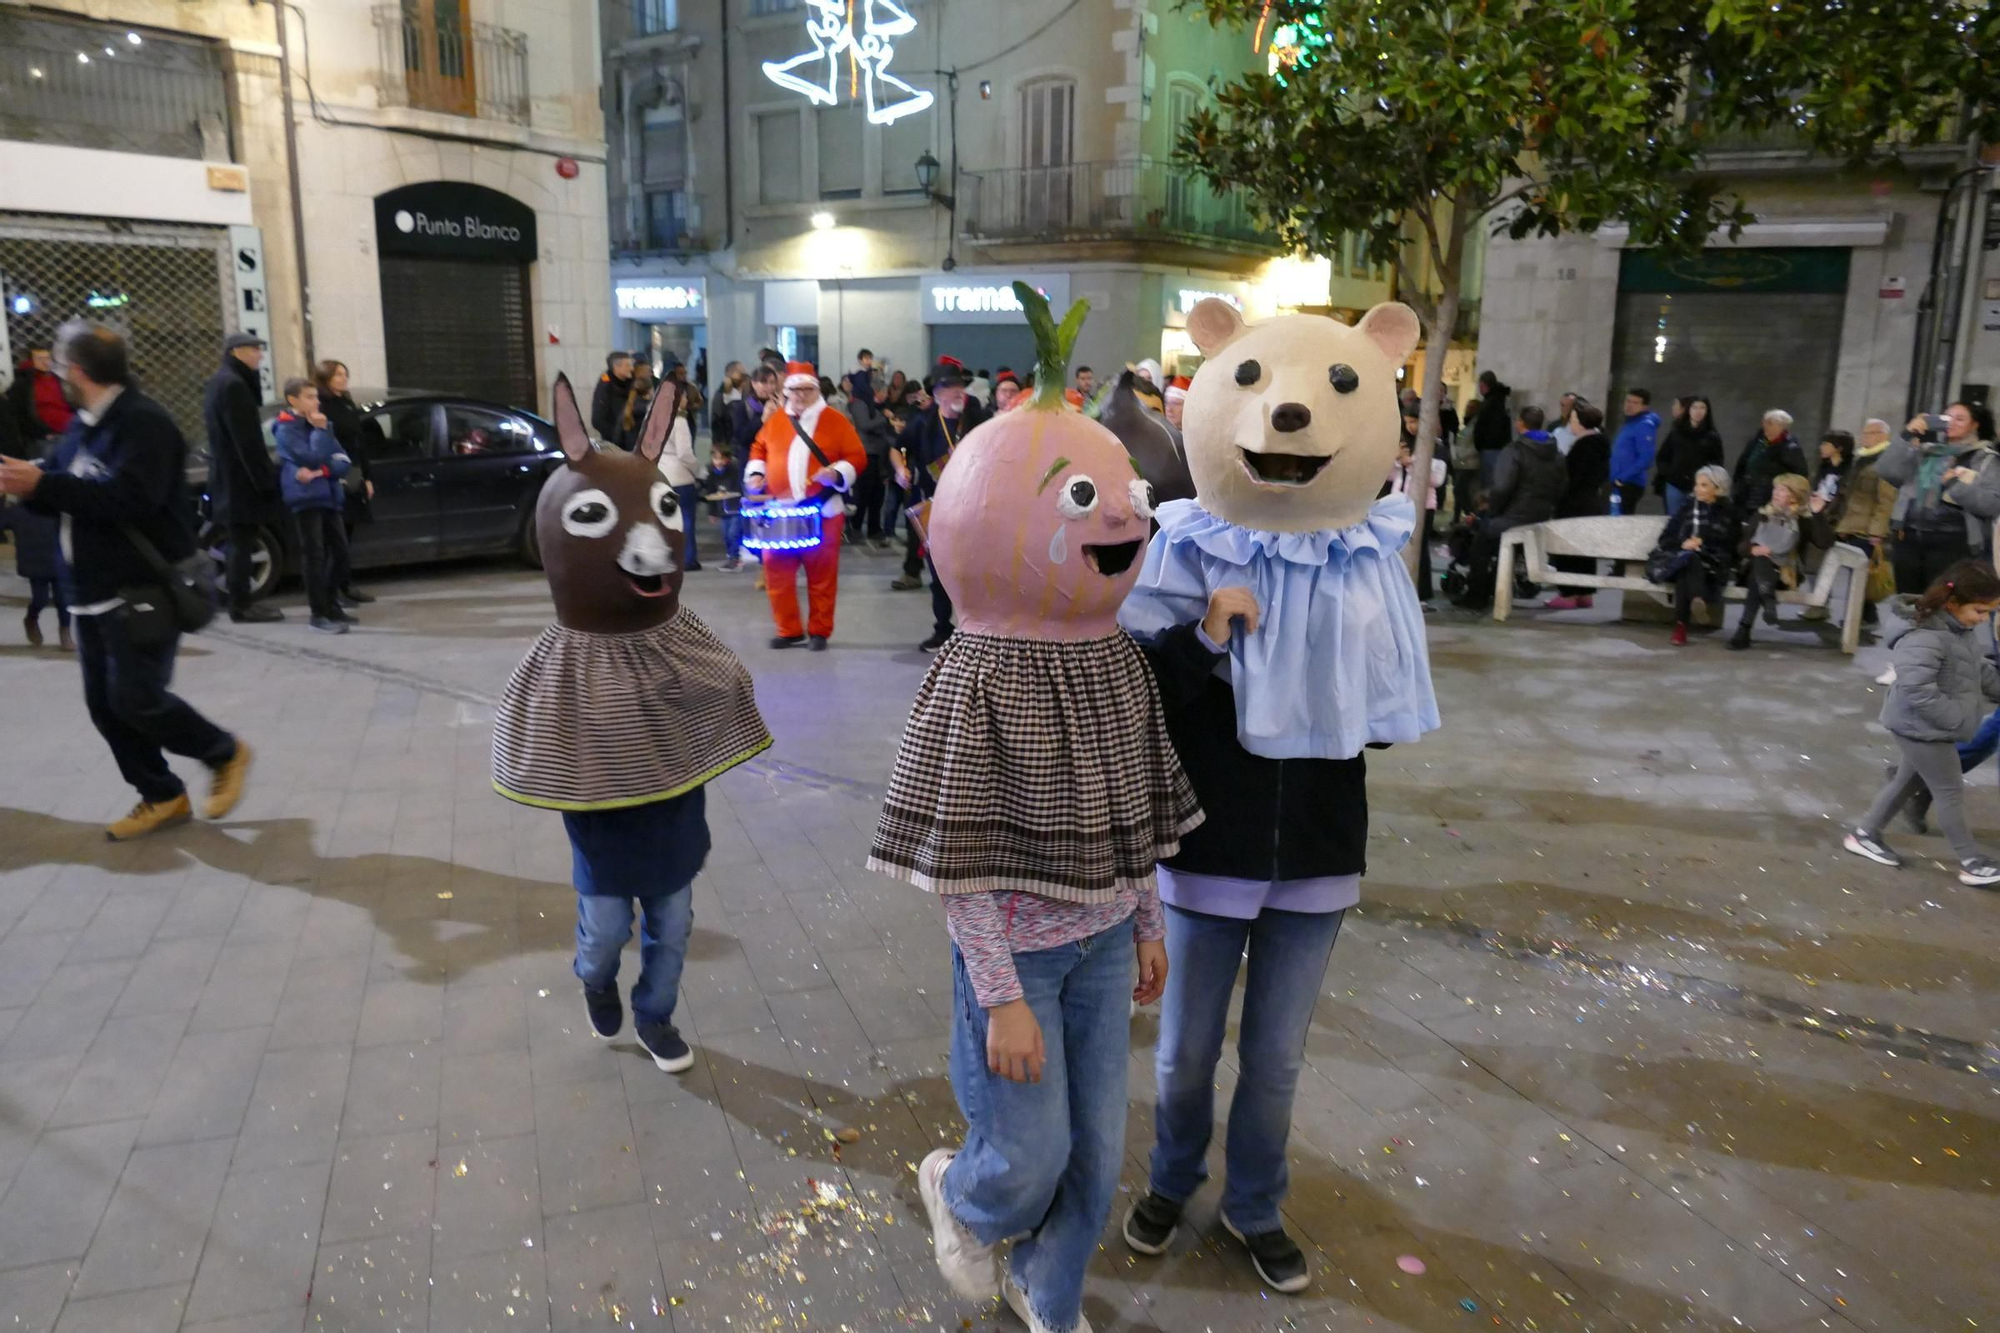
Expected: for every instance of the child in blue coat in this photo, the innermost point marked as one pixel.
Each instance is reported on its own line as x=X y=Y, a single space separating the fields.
x=310 y=466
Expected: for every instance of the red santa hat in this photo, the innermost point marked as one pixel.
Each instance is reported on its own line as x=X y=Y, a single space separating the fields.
x=1177 y=390
x=801 y=375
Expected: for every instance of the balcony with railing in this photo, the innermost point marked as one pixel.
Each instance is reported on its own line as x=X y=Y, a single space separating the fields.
x=91 y=85
x=1106 y=201
x=437 y=62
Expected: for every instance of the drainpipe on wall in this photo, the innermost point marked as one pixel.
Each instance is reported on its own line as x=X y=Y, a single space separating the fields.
x=292 y=174
x=728 y=146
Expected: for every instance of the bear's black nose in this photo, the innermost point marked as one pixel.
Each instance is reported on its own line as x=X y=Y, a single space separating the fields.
x=1289 y=417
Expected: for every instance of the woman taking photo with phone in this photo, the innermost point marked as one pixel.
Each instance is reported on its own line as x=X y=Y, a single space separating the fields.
x=1948 y=493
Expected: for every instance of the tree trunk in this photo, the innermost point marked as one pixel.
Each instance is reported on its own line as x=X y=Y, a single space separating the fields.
x=1438 y=343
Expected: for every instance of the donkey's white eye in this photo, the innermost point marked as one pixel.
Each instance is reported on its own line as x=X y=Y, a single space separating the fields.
x=589 y=514
x=666 y=508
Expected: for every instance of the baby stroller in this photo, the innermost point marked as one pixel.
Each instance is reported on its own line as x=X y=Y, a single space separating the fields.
x=1457 y=579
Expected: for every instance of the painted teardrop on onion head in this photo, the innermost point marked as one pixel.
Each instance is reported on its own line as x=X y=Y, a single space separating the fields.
x=1041 y=518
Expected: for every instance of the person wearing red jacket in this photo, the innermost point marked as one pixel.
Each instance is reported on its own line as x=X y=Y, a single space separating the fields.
x=785 y=467
x=37 y=399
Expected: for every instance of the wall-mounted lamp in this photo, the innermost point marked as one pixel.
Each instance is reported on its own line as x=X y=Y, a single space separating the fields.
x=822 y=221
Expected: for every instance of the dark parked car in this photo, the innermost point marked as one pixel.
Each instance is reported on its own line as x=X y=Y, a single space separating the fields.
x=453 y=477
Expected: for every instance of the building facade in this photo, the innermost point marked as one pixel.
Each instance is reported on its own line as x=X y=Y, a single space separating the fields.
x=450 y=195
x=776 y=181
x=1853 y=295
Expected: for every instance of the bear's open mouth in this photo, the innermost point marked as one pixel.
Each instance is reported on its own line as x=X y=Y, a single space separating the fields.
x=1282 y=469
x=648 y=585
x=1113 y=559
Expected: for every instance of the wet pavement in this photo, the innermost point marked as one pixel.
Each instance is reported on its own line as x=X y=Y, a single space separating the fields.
x=1619 y=1040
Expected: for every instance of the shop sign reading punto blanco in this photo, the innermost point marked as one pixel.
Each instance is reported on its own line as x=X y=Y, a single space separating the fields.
x=454 y=219
x=661 y=300
x=986 y=298
x=821 y=72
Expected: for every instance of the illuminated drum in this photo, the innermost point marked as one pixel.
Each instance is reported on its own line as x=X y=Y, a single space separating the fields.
x=777 y=527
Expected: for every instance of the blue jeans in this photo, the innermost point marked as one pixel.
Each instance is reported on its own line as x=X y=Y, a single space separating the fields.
x=604 y=923
x=1041 y=1160
x=732 y=530
x=689 y=499
x=1288 y=958
x=1676 y=497
x=1984 y=744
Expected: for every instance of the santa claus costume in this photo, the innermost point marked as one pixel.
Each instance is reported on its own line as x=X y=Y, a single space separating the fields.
x=807 y=455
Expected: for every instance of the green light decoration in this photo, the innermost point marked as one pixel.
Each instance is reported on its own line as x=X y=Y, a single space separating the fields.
x=1296 y=45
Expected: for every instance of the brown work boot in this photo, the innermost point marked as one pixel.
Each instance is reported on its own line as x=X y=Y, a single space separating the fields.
x=33 y=629
x=227 y=789
x=146 y=817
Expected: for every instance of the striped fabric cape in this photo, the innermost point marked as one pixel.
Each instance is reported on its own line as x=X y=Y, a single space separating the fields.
x=607 y=721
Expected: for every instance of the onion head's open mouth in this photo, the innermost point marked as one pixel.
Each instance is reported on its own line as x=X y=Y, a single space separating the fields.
x=1113 y=559
x=1268 y=469
x=648 y=585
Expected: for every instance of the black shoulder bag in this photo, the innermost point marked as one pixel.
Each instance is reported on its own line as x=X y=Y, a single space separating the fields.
x=181 y=602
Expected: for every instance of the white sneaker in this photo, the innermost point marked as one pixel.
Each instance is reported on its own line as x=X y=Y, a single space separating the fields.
x=1017 y=1301
x=966 y=1264
x=1887 y=677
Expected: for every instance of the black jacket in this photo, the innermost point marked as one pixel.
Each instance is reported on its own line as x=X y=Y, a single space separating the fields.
x=1719 y=529
x=747 y=414
x=1588 y=464
x=877 y=432
x=1265 y=818
x=928 y=440
x=1493 y=425
x=607 y=405
x=243 y=480
x=1528 y=481
x=1683 y=452
x=130 y=468
x=1761 y=464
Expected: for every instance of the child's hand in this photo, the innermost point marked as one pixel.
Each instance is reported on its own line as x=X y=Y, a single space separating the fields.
x=1014 y=1042
x=1227 y=605
x=1152 y=971
x=304 y=474
x=1760 y=550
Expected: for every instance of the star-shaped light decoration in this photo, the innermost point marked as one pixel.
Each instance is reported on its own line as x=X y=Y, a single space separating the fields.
x=830 y=26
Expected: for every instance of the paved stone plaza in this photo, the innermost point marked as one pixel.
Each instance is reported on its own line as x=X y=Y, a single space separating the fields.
x=1619 y=1040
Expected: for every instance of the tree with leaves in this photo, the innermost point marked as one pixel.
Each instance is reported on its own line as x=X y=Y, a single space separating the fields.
x=1410 y=122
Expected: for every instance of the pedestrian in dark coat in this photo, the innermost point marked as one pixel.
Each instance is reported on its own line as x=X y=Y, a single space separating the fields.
x=1588 y=494
x=1690 y=444
x=35 y=559
x=343 y=418
x=1770 y=455
x=607 y=402
x=1492 y=425
x=923 y=449
x=1700 y=541
x=242 y=479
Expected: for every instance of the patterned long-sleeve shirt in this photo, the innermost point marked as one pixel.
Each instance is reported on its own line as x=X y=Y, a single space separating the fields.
x=990 y=928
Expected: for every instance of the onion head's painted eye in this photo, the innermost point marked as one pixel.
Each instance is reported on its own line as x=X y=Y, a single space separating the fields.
x=1078 y=497
x=1248 y=373
x=1343 y=378
x=1142 y=498
x=589 y=514
x=666 y=507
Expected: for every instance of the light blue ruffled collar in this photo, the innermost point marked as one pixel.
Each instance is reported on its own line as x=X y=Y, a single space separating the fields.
x=1391 y=521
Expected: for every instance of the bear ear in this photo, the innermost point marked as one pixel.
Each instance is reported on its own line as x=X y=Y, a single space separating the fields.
x=575 y=436
x=1393 y=327
x=1213 y=324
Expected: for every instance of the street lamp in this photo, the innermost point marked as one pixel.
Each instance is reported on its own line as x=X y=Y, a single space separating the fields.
x=927 y=168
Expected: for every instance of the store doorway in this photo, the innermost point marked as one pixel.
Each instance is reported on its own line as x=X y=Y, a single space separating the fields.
x=459 y=326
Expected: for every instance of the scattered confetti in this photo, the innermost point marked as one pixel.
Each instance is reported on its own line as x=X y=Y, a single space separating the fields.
x=1410 y=1264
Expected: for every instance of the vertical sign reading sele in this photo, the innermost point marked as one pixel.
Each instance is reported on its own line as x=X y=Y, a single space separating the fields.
x=253 y=305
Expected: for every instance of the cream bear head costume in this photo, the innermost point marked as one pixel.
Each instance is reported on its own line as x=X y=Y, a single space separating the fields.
x=1292 y=423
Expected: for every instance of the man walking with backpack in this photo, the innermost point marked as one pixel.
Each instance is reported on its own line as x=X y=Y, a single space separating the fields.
x=117 y=483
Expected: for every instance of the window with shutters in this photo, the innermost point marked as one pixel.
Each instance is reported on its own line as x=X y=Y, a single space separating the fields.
x=840 y=151
x=666 y=218
x=778 y=159
x=1185 y=192
x=663 y=146
x=1048 y=146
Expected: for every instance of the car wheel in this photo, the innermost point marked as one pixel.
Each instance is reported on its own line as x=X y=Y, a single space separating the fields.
x=267 y=565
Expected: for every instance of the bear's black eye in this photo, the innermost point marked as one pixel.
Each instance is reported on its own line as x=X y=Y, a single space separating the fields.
x=1248 y=373
x=1343 y=378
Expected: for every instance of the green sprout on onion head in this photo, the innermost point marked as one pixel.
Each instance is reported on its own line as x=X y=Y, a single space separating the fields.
x=1053 y=345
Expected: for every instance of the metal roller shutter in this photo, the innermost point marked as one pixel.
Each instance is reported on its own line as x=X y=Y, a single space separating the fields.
x=459 y=326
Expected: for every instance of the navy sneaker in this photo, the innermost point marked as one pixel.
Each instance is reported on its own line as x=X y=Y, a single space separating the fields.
x=664 y=1044
x=1150 y=1226
x=1276 y=1256
x=607 y=1011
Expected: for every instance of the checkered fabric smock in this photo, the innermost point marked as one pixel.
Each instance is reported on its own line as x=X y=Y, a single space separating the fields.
x=1034 y=766
x=605 y=721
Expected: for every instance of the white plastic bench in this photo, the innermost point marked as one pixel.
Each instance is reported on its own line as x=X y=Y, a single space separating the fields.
x=1631 y=539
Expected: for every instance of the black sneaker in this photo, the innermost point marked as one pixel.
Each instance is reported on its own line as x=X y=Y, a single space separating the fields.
x=787 y=640
x=1277 y=1258
x=907 y=583
x=1863 y=843
x=816 y=643
x=937 y=640
x=257 y=615
x=1151 y=1224
x=607 y=1011
x=664 y=1044
x=340 y=613
x=1978 y=873
x=328 y=625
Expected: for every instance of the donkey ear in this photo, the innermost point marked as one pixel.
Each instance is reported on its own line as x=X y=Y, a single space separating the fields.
x=575 y=436
x=660 y=417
